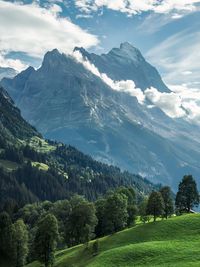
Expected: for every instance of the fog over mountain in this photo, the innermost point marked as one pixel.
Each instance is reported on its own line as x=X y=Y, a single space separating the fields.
x=99 y=111
x=7 y=73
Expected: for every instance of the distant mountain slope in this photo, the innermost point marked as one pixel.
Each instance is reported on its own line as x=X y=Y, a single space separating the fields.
x=7 y=73
x=32 y=169
x=68 y=103
x=12 y=125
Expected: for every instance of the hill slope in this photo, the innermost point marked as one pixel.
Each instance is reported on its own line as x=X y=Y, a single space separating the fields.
x=7 y=73
x=173 y=243
x=33 y=169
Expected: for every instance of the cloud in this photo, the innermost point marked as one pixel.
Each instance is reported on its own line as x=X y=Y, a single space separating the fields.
x=170 y=103
x=34 y=30
x=181 y=102
x=127 y=86
x=190 y=97
x=184 y=63
x=132 y=7
x=11 y=63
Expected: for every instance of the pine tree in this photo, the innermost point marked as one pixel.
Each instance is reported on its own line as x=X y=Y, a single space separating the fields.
x=6 y=231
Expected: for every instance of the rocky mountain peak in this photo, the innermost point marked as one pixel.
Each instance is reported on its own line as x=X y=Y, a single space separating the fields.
x=52 y=57
x=127 y=51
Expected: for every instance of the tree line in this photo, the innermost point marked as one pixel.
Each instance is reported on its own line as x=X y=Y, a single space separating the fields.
x=161 y=203
x=69 y=172
x=35 y=231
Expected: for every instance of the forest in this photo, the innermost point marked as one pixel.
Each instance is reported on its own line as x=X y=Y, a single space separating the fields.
x=36 y=231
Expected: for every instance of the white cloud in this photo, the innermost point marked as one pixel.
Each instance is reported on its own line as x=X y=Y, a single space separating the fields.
x=34 y=30
x=170 y=103
x=187 y=72
x=132 y=7
x=190 y=101
x=184 y=63
x=181 y=102
x=11 y=63
x=127 y=86
x=83 y=16
x=193 y=111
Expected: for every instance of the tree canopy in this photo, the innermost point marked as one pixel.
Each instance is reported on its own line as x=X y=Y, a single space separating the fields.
x=167 y=200
x=155 y=205
x=187 y=196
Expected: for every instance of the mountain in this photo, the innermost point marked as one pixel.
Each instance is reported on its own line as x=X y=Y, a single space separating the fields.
x=126 y=63
x=12 y=126
x=7 y=73
x=68 y=103
x=34 y=169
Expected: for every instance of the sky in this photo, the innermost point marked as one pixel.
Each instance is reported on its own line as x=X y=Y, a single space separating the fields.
x=167 y=32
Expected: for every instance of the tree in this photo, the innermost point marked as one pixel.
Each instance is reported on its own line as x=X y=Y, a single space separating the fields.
x=143 y=211
x=5 y=234
x=132 y=212
x=129 y=192
x=115 y=213
x=155 y=205
x=100 y=213
x=46 y=239
x=61 y=210
x=168 y=201
x=19 y=243
x=187 y=196
x=81 y=222
x=95 y=247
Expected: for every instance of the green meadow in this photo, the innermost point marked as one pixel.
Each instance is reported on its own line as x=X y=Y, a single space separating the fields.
x=173 y=242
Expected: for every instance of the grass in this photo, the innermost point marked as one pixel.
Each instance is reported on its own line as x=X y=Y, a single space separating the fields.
x=40 y=166
x=11 y=166
x=8 y=165
x=171 y=243
x=41 y=145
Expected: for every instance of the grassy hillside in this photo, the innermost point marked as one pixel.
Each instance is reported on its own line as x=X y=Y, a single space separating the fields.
x=173 y=242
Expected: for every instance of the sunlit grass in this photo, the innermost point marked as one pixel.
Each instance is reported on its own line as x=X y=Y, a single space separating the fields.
x=173 y=242
x=8 y=165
